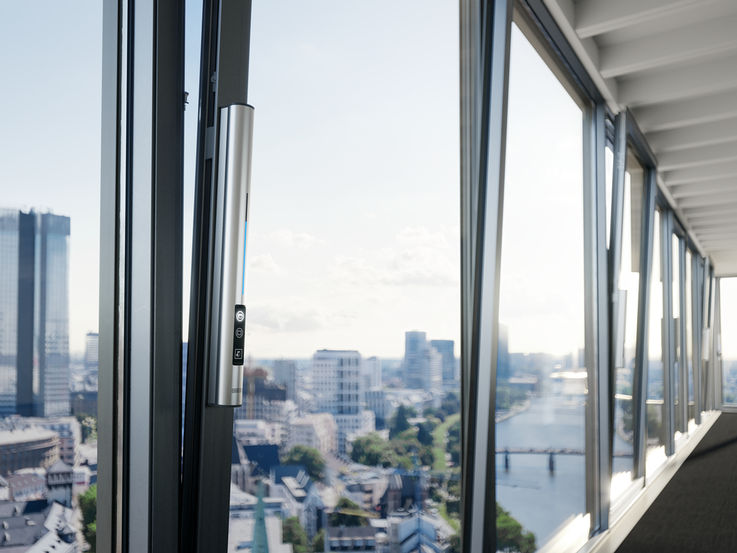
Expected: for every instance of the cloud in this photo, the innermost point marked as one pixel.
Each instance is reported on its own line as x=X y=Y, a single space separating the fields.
x=272 y=318
x=290 y=239
x=264 y=263
x=418 y=258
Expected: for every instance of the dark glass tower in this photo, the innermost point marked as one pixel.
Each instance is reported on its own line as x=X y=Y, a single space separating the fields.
x=34 y=314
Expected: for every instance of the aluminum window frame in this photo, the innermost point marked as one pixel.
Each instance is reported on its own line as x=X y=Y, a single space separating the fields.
x=140 y=275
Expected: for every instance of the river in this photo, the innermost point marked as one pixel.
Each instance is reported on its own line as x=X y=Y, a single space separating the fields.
x=540 y=500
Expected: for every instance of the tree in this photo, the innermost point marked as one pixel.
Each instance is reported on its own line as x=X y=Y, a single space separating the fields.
x=292 y=532
x=434 y=412
x=509 y=534
x=454 y=442
x=348 y=513
x=310 y=458
x=88 y=507
x=424 y=432
x=399 y=421
x=88 y=424
x=451 y=404
x=318 y=542
x=372 y=450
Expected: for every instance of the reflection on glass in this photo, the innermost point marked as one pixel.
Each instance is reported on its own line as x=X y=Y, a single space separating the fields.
x=728 y=339
x=349 y=433
x=49 y=259
x=655 y=403
x=541 y=372
x=629 y=285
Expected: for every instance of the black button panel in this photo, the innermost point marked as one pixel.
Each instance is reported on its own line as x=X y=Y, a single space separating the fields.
x=239 y=334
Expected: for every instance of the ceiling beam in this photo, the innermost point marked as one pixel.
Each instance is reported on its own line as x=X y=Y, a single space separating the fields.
x=708 y=199
x=683 y=44
x=700 y=174
x=704 y=188
x=729 y=243
x=729 y=234
x=697 y=79
x=704 y=134
x=701 y=155
x=701 y=222
x=594 y=17
x=727 y=208
x=692 y=111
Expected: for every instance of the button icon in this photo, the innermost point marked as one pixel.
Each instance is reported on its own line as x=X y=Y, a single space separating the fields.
x=238 y=353
x=239 y=333
x=239 y=316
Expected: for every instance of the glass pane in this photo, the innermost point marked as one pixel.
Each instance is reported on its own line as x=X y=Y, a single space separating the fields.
x=541 y=373
x=192 y=59
x=49 y=267
x=655 y=403
x=350 y=427
x=689 y=337
x=728 y=338
x=609 y=168
x=626 y=318
x=677 y=384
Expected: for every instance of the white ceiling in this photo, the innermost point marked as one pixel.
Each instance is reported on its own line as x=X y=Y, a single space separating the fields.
x=674 y=63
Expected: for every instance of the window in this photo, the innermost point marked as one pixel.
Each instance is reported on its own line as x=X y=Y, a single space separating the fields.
x=49 y=269
x=541 y=372
x=629 y=285
x=655 y=416
x=689 y=336
x=678 y=384
x=351 y=397
x=728 y=339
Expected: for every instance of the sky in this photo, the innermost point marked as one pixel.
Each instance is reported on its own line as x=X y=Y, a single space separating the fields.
x=50 y=63
x=354 y=214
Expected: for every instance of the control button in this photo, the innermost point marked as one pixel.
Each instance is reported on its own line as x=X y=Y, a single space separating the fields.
x=239 y=333
x=238 y=353
x=239 y=316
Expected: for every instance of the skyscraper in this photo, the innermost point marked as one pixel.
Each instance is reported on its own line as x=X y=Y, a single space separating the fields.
x=336 y=375
x=422 y=363
x=446 y=349
x=91 y=351
x=285 y=373
x=34 y=314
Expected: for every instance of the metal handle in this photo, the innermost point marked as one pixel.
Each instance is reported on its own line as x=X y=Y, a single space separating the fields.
x=228 y=310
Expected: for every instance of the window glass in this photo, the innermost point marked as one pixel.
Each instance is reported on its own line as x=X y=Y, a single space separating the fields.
x=49 y=267
x=626 y=320
x=655 y=403
x=677 y=384
x=609 y=168
x=541 y=372
x=689 y=336
x=728 y=338
x=349 y=433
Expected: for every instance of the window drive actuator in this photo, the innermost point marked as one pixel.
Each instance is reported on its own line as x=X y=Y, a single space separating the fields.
x=228 y=283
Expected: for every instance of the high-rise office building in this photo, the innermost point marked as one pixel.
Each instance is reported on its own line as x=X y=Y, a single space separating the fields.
x=34 y=314
x=91 y=349
x=422 y=363
x=446 y=349
x=285 y=373
x=371 y=371
x=337 y=385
